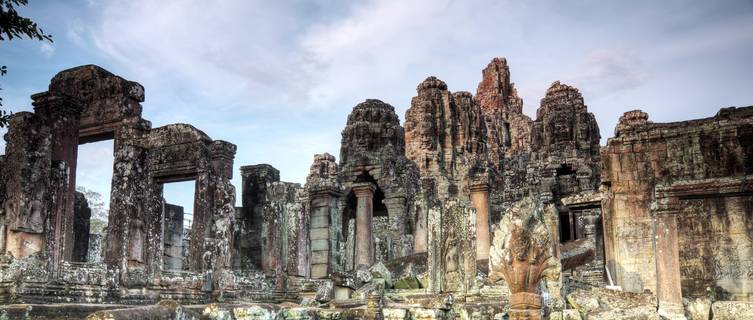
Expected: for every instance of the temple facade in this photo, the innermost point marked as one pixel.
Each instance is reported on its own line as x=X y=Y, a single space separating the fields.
x=469 y=209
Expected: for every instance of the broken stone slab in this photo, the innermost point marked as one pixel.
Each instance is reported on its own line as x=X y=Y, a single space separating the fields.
x=732 y=310
x=698 y=309
x=637 y=313
x=583 y=301
x=613 y=299
x=576 y=253
x=427 y=314
x=345 y=279
x=366 y=289
x=395 y=314
x=571 y=314
x=379 y=271
x=599 y=300
x=363 y=275
x=167 y=309
x=325 y=292
x=409 y=282
x=263 y=311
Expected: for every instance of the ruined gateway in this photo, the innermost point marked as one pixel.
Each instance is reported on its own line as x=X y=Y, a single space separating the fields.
x=468 y=210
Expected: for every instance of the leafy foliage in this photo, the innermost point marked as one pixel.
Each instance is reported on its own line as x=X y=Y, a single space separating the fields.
x=14 y=26
x=4 y=115
x=99 y=211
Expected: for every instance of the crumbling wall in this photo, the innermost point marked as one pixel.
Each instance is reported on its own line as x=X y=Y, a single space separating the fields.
x=248 y=231
x=373 y=150
x=86 y=104
x=508 y=136
x=687 y=156
x=446 y=136
x=27 y=173
x=325 y=225
x=275 y=218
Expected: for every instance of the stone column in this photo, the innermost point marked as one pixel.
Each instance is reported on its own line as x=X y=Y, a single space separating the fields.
x=668 y=286
x=364 y=243
x=420 y=235
x=322 y=199
x=173 y=237
x=62 y=115
x=401 y=241
x=480 y=201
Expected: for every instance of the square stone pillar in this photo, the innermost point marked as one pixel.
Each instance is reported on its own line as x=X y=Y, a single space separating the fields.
x=364 y=192
x=322 y=201
x=62 y=115
x=420 y=232
x=173 y=237
x=668 y=285
x=480 y=202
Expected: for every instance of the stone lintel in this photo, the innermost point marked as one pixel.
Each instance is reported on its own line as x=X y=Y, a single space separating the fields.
x=317 y=191
x=668 y=197
x=583 y=199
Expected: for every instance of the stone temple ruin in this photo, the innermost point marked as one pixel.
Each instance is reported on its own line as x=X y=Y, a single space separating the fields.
x=468 y=210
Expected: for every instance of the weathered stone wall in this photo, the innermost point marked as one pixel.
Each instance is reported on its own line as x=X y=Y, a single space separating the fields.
x=716 y=247
x=451 y=247
x=27 y=174
x=274 y=217
x=325 y=223
x=446 y=137
x=248 y=230
x=644 y=155
x=86 y=104
x=373 y=150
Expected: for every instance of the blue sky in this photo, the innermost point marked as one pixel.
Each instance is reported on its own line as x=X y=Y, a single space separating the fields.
x=278 y=78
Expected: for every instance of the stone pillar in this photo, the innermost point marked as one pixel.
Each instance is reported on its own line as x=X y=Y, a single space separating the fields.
x=420 y=234
x=401 y=240
x=364 y=192
x=668 y=286
x=173 y=239
x=322 y=200
x=62 y=114
x=480 y=201
x=254 y=244
x=202 y=211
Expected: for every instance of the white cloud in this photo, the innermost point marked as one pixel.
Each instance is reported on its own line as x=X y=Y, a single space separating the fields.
x=46 y=49
x=228 y=67
x=231 y=49
x=611 y=70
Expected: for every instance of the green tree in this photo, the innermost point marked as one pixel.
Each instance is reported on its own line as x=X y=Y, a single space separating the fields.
x=98 y=220
x=14 y=26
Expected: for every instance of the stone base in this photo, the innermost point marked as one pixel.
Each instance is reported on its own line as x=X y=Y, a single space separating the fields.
x=526 y=314
x=525 y=306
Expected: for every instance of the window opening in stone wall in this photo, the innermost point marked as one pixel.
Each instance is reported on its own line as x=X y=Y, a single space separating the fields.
x=567 y=226
x=94 y=168
x=178 y=199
